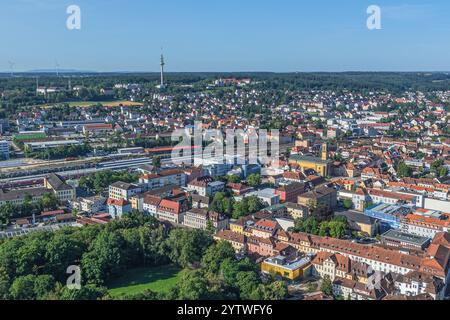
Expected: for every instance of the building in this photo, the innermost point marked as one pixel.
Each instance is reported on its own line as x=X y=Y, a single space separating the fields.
x=425 y=223
x=166 y=177
x=267 y=196
x=416 y=283
x=237 y=240
x=360 y=222
x=4 y=150
x=122 y=190
x=264 y=228
x=322 y=196
x=205 y=186
x=389 y=215
x=97 y=129
x=287 y=268
x=290 y=192
x=17 y=197
x=117 y=208
x=63 y=191
x=200 y=219
x=90 y=205
x=296 y=211
x=172 y=210
x=322 y=167
x=400 y=240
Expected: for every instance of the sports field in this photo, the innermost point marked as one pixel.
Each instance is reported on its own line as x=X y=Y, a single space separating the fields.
x=135 y=281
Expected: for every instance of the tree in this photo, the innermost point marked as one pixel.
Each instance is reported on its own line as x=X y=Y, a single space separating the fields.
x=348 y=203
x=327 y=286
x=49 y=201
x=254 y=180
x=87 y=292
x=247 y=282
x=192 y=286
x=156 y=162
x=216 y=254
x=105 y=258
x=277 y=290
x=403 y=171
x=186 y=246
x=23 y=288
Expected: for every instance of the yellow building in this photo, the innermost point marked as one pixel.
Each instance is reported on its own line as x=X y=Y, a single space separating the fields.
x=280 y=266
x=321 y=166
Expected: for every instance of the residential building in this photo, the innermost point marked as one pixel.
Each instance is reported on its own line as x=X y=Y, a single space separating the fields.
x=122 y=190
x=202 y=218
x=4 y=150
x=63 y=191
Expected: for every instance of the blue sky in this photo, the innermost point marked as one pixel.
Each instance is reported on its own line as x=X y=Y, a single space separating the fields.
x=226 y=35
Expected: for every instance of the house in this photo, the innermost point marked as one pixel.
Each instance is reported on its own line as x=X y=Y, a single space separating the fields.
x=267 y=196
x=322 y=196
x=237 y=240
x=60 y=188
x=205 y=186
x=118 y=207
x=290 y=192
x=122 y=190
x=18 y=196
x=163 y=178
x=97 y=129
x=202 y=218
x=360 y=222
x=239 y=189
x=296 y=211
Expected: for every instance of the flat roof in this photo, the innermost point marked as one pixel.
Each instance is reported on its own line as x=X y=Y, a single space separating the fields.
x=397 y=235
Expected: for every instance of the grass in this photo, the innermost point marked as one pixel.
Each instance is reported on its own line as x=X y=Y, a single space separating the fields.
x=112 y=104
x=135 y=281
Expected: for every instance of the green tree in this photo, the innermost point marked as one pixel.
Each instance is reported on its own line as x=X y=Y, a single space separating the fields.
x=192 y=285
x=327 y=286
x=254 y=180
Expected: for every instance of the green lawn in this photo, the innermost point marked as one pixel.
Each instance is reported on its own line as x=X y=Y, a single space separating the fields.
x=159 y=279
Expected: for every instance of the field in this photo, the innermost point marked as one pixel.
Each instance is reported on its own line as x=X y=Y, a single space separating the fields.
x=112 y=104
x=159 y=279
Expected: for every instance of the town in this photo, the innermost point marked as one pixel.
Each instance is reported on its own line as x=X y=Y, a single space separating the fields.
x=354 y=205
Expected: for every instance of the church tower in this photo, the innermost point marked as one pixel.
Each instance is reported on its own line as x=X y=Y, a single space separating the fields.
x=325 y=152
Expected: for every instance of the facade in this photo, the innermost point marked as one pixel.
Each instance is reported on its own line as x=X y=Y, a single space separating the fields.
x=117 y=208
x=425 y=223
x=164 y=178
x=122 y=190
x=290 y=269
x=322 y=167
x=291 y=191
x=296 y=211
x=17 y=197
x=388 y=214
x=322 y=196
x=4 y=150
x=360 y=222
x=401 y=240
x=60 y=188
x=201 y=218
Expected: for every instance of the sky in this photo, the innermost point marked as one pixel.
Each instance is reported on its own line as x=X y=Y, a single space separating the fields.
x=226 y=35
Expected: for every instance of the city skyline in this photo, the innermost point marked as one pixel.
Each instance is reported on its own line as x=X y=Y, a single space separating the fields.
x=286 y=36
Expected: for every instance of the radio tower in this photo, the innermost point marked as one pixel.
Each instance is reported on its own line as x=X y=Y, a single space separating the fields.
x=162 y=71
